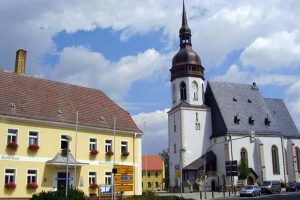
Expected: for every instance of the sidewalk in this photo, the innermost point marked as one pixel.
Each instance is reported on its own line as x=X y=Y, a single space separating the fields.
x=196 y=195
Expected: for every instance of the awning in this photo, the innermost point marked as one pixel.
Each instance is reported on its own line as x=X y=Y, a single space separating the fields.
x=199 y=163
x=61 y=160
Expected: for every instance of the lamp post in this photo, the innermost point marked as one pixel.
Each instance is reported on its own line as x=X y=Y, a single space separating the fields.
x=69 y=139
x=181 y=166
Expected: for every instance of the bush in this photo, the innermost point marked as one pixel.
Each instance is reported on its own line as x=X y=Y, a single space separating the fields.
x=73 y=194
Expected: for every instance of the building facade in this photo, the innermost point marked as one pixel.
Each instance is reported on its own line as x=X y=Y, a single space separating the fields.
x=225 y=122
x=153 y=173
x=37 y=119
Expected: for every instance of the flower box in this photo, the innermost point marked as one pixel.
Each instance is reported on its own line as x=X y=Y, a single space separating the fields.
x=109 y=153
x=10 y=186
x=94 y=152
x=33 y=147
x=32 y=186
x=94 y=186
x=12 y=145
x=125 y=153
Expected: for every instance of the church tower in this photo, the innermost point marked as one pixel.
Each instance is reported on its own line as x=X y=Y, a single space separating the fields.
x=189 y=120
x=187 y=73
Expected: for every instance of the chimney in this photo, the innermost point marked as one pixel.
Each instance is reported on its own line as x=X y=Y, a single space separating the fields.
x=20 y=61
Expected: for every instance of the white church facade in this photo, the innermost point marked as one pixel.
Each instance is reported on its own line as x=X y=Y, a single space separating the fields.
x=209 y=125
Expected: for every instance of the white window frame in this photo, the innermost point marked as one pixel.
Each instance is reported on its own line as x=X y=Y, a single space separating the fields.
x=93 y=143
x=107 y=177
x=37 y=137
x=36 y=176
x=123 y=145
x=108 y=144
x=11 y=135
x=61 y=139
x=92 y=177
x=9 y=174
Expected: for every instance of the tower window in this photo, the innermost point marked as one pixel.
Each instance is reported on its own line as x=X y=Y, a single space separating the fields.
x=236 y=120
x=249 y=101
x=182 y=91
x=175 y=150
x=195 y=90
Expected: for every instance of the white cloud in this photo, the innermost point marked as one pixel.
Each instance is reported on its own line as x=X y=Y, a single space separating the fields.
x=280 y=50
x=294 y=102
x=234 y=74
x=155 y=127
x=79 y=65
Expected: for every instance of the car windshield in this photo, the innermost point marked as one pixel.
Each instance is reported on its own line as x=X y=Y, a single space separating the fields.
x=266 y=183
x=249 y=187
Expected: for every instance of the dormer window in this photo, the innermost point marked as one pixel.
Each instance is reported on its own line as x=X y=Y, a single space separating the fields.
x=236 y=120
x=234 y=99
x=267 y=121
x=249 y=101
x=251 y=120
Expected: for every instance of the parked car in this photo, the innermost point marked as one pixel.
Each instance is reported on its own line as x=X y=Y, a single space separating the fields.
x=250 y=190
x=270 y=187
x=293 y=187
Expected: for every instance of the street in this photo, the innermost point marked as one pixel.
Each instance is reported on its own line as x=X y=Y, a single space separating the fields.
x=281 y=196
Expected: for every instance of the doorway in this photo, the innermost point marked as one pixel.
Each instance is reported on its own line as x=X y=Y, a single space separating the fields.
x=213 y=185
x=61 y=180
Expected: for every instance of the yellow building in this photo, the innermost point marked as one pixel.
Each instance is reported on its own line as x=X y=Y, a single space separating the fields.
x=153 y=173
x=38 y=118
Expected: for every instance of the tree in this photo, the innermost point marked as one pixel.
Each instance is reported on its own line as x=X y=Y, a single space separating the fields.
x=243 y=169
x=165 y=157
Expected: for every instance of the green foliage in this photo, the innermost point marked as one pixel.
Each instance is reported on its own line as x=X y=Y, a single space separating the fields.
x=243 y=169
x=73 y=193
x=165 y=157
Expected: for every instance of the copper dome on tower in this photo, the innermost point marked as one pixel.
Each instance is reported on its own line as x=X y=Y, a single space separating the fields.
x=186 y=62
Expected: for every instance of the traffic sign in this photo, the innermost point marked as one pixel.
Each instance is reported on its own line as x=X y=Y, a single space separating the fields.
x=231 y=168
x=123 y=187
x=124 y=169
x=124 y=179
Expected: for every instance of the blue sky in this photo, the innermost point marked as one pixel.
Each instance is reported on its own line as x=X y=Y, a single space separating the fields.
x=125 y=48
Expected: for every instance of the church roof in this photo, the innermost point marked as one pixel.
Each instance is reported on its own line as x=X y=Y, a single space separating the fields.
x=34 y=98
x=240 y=108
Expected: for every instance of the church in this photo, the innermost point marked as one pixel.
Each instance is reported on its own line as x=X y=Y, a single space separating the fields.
x=213 y=126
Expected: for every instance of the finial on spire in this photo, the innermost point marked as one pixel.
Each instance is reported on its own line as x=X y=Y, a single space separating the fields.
x=184 y=20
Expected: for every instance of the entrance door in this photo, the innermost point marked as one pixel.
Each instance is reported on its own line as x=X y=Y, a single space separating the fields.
x=213 y=185
x=61 y=180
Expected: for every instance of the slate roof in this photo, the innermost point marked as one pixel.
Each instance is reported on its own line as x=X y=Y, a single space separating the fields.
x=61 y=159
x=282 y=117
x=228 y=100
x=152 y=163
x=40 y=99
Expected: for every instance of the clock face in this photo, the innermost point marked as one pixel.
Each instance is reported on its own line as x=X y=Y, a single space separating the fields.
x=194 y=85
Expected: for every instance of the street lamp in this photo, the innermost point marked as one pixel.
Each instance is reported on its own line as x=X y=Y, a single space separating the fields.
x=68 y=139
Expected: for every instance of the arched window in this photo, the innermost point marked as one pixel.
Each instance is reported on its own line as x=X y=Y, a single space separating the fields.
x=275 y=160
x=298 y=158
x=195 y=90
x=182 y=91
x=244 y=155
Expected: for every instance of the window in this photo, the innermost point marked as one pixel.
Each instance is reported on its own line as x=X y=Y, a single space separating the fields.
x=174 y=124
x=298 y=158
x=92 y=178
x=107 y=178
x=196 y=117
x=156 y=184
x=275 y=160
x=175 y=148
x=31 y=176
x=149 y=174
x=149 y=184
x=108 y=145
x=251 y=120
x=195 y=89
x=156 y=174
x=124 y=146
x=63 y=142
x=182 y=91
x=234 y=99
x=197 y=126
x=236 y=120
x=10 y=176
x=12 y=136
x=244 y=155
x=249 y=101
x=33 y=137
x=93 y=143
x=267 y=121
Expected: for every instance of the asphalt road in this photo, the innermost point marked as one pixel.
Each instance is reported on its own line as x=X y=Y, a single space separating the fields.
x=281 y=196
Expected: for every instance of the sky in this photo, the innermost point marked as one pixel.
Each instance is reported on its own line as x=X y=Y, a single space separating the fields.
x=125 y=49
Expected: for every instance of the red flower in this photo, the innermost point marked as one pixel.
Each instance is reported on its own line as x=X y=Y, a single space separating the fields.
x=125 y=153
x=94 y=152
x=94 y=186
x=33 y=147
x=12 y=145
x=109 y=153
x=32 y=185
x=10 y=185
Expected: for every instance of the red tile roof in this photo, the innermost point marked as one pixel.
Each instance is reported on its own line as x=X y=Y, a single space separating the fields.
x=41 y=99
x=152 y=163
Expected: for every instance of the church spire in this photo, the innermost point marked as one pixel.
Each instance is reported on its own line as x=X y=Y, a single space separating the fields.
x=185 y=31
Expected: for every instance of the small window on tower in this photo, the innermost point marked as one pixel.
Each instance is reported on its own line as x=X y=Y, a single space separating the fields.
x=267 y=121
x=175 y=150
